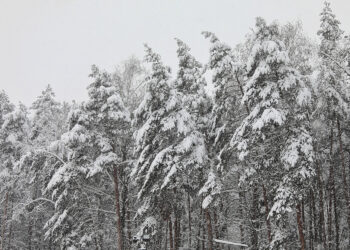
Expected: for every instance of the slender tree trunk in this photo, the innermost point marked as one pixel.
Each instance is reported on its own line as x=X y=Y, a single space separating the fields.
x=241 y=229
x=310 y=236
x=189 y=220
x=345 y=184
x=300 y=227
x=199 y=234
x=321 y=230
x=30 y=233
x=332 y=193
x=4 y=221
x=128 y=217
x=10 y=231
x=176 y=232
x=171 y=241
x=254 y=218
x=203 y=225
x=336 y=221
x=267 y=210
x=117 y=206
x=216 y=231
x=166 y=235
x=314 y=216
x=329 y=212
x=209 y=229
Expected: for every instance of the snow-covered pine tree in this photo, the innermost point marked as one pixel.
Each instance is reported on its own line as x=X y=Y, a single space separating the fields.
x=153 y=146
x=98 y=140
x=38 y=160
x=46 y=112
x=191 y=145
x=128 y=78
x=5 y=105
x=333 y=104
x=14 y=136
x=276 y=95
x=170 y=141
x=224 y=118
x=223 y=115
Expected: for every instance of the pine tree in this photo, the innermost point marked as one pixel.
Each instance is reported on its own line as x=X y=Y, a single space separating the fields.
x=333 y=105
x=98 y=140
x=276 y=95
x=170 y=141
x=14 y=136
x=46 y=112
x=152 y=145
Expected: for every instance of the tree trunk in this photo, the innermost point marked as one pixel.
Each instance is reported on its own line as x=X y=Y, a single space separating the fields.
x=254 y=218
x=241 y=229
x=329 y=213
x=171 y=241
x=314 y=216
x=10 y=231
x=176 y=232
x=345 y=184
x=189 y=220
x=209 y=229
x=332 y=193
x=336 y=221
x=4 y=221
x=311 y=237
x=117 y=208
x=321 y=230
x=300 y=227
x=30 y=232
x=203 y=225
x=128 y=217
x=268 y=224
x=166 y=235
x=216 y=230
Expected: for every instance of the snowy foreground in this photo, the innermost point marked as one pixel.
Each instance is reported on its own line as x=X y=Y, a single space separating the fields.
x=250 y=150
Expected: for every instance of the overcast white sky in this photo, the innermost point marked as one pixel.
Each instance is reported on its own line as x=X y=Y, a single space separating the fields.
x=56 y=41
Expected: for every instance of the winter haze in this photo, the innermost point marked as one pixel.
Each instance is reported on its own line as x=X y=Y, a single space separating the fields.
x=56 y=41
x=174 y=125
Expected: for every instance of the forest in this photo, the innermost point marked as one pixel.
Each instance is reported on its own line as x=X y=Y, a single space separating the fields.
x=249 y=150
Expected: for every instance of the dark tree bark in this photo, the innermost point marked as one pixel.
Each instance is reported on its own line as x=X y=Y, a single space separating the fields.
x=171 y=240
x=321 y=229
x=310 y=236
x=331 y=190
x=345 y=184
x=128 y=217
x=4 y=221
x=117 y=206
x=209 y=229
x=30 y=232
x=216 y=231
x=176 y=232
x=268 y=224
x=189 y=220
x=241 y=229
x=300 y=227
x=336 y=220
x=254 y=218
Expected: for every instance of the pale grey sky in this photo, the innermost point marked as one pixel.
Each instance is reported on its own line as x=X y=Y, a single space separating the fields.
x=56 y=41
